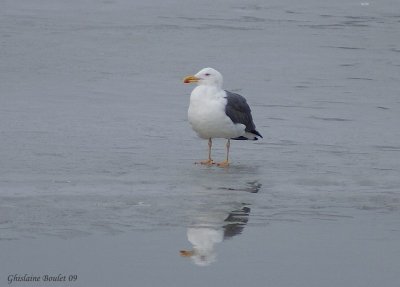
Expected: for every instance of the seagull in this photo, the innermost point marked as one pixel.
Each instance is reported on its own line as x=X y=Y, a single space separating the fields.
x=217 y=113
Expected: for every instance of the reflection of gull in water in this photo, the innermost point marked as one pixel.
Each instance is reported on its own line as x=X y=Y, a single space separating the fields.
x=210 y=231
x=203 y=240
x=217 y=221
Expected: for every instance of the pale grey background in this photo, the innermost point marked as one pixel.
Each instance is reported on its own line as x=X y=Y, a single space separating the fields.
x=96 y=154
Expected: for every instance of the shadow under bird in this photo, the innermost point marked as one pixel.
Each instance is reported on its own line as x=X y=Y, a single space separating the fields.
x=217 y=113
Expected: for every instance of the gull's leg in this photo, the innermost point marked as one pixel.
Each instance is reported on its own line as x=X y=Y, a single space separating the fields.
x=225 y=163
x=208 y=161
x=209 y=149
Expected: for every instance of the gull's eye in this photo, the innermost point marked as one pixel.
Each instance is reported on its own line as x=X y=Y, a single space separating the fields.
x=207 y=74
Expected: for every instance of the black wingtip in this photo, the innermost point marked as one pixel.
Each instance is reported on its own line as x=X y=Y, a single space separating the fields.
x=256 y=133
x=241 y=138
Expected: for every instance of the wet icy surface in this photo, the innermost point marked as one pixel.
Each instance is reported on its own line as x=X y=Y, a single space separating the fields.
x=96 y=154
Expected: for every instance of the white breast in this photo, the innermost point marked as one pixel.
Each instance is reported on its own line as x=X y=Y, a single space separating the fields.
x=207 y=114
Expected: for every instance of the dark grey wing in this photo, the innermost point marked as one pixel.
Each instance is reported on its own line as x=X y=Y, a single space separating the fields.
x=239 y=112
x=235 y=222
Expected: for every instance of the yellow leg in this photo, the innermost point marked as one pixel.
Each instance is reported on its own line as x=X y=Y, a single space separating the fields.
x=208 y=161
x=225 y=163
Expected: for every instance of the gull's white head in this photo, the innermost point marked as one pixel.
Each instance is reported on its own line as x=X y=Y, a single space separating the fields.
x=207 y=77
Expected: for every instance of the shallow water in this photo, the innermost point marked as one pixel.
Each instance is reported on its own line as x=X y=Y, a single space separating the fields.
x=97 y=176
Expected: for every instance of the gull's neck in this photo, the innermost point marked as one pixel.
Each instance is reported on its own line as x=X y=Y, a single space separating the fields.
x=208 y=90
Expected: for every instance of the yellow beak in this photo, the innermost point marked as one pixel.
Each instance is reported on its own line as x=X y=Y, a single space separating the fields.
x=190 y=79
x=186 y=253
